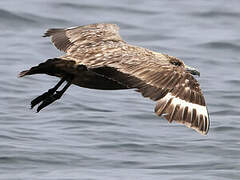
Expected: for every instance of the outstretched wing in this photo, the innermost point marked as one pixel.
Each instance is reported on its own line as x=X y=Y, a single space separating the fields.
x=100 y=48
x=178 y=95
x=69 y=39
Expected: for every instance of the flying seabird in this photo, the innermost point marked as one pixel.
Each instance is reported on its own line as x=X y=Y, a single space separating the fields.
x=98 y=58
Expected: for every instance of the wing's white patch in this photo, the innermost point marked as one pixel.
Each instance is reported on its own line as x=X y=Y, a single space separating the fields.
x=199 y=110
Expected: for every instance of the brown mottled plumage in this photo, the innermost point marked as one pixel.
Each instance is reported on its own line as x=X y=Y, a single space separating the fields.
x=97 y=57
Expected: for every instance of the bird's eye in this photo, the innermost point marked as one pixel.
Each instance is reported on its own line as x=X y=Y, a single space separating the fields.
x=176 y=63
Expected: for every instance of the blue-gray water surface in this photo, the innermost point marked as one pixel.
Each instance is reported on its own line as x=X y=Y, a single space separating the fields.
x=99 y=135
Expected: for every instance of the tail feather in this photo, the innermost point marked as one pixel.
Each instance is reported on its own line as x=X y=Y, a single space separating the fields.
x=23 y=73
x=51 y=67
x=34 y=70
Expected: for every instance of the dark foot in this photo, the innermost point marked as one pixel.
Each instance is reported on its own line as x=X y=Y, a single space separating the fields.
x=42 y=97
x=49 y=97
x=49 y=100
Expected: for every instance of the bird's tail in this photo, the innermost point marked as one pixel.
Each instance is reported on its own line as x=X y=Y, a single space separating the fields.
x=53 y=67
x=23 y=73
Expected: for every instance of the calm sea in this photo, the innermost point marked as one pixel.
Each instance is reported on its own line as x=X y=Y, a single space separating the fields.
x=114 y=135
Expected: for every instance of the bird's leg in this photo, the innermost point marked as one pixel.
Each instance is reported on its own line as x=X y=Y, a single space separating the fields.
x=50 y=99
x=50 y=92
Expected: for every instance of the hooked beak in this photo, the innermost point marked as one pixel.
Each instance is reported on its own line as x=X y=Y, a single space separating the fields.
x=193 y=71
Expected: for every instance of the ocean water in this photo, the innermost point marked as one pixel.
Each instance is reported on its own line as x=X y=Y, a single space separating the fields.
x=99 y=135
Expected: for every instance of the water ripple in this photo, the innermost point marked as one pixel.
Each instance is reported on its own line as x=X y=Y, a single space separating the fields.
x=91 y=134
x=116 y=9
x=220 y=45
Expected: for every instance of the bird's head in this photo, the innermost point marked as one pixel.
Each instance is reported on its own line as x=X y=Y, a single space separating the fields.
x=178 y=63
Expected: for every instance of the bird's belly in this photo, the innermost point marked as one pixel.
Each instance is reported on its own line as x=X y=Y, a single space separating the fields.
x=92 y=80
